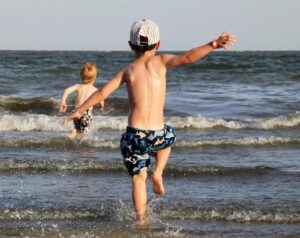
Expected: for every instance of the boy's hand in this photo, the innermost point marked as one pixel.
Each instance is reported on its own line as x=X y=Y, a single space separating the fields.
x=75 y=115
x=63 y=108
x=225 y=40
x=101 y=106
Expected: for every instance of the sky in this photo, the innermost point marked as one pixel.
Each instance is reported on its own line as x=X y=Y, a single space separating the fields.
x=184 y=24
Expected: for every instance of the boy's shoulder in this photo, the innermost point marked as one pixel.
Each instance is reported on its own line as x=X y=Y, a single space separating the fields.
x=79 y=86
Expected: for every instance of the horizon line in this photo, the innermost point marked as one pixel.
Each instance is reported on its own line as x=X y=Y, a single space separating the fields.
x=230 y=50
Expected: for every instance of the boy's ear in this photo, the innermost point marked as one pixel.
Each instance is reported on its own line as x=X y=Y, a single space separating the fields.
x=157 y=45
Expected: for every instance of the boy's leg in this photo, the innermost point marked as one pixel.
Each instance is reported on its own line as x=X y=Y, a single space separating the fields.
x=162 y=157
x=139 y=193
x=73 y=133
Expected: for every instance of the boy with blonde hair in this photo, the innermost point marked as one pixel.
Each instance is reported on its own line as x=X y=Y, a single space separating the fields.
x=145 y=78
x=88 y=75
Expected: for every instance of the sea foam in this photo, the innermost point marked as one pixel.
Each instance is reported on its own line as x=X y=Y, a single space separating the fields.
x=41 y=122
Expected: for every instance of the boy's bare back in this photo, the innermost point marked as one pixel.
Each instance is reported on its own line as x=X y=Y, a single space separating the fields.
x=84 y=91
x=145 y=79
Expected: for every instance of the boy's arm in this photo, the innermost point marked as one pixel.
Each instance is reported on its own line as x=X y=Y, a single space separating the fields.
x=98 y=96
x=101 y=106
x=197 y=53
x=67 y=91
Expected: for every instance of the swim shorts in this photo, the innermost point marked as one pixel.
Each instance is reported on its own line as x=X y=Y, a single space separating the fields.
x=138 y=145
x=81 y=124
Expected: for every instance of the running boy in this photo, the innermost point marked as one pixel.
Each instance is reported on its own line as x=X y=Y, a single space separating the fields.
x=145 y=79
x=88 y=75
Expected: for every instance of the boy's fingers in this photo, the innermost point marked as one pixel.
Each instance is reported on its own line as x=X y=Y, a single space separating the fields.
x=66 y=121
x=231 y=42
x=232 y=38
x=70 y=118
x=225 y=33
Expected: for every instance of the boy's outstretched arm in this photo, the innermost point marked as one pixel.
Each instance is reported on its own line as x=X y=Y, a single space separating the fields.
x=197 y=53
x=98 y=96
x=67 y=91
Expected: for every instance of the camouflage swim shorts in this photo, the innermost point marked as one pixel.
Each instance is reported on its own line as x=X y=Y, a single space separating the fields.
x=82 y=123
x=138 y=145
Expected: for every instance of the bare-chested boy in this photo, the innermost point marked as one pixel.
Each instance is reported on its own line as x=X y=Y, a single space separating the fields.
x=145 y=79
x=84 y=90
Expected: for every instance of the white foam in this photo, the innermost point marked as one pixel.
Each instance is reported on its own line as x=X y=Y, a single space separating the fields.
x=235 y=215
x=290 y=120
x=40 y=122
x=31 y=122
x=201 y=122
x=115 y=123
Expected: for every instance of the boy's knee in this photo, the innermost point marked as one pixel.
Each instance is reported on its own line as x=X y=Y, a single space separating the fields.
x=141 y=176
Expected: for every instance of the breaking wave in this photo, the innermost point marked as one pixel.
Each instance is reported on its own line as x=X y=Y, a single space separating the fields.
x=40 y=122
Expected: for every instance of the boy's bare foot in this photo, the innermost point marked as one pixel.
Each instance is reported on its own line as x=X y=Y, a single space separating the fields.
x=158 y=186
x=142 y=222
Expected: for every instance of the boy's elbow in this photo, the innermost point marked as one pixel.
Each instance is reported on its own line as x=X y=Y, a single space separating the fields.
x=188 y=60
x=66 y=92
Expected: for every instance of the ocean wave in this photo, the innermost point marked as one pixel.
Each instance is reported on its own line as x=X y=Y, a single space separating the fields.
x=240 y=215
x=113 y=143
x=31 y=122
x=60 y=143
x=245 y=141
x=92 y=166
x=173 y=170
x=291 y=120
x=85 y=166
x=50 y=106
x=201 y=122
x=284 y=216
x=41 y=122
x=38 y=105
x=13 y=214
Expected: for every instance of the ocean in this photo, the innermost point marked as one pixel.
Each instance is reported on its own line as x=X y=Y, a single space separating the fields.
x=233 y=172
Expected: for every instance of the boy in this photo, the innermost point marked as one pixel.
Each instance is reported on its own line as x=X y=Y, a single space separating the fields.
x=145 y=79
x=88 y=75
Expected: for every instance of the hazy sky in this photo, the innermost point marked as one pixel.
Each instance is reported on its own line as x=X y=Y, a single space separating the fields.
x=105 y=24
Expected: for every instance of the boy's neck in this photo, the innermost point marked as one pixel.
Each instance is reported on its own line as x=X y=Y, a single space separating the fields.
x=146 y=54
x=91 y=83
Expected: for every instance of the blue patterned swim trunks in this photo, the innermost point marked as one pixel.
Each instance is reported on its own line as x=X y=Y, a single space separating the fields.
x=138 y=145
x=81 y=125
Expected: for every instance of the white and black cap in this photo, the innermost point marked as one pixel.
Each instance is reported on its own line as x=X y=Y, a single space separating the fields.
x=144 y=33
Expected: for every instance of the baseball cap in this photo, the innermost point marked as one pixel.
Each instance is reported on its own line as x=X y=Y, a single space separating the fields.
x=144 y=33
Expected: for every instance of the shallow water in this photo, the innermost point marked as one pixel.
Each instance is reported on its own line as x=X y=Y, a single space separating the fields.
x=234 y=170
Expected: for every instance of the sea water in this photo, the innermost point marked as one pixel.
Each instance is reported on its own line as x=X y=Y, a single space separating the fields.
x=233 y=172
